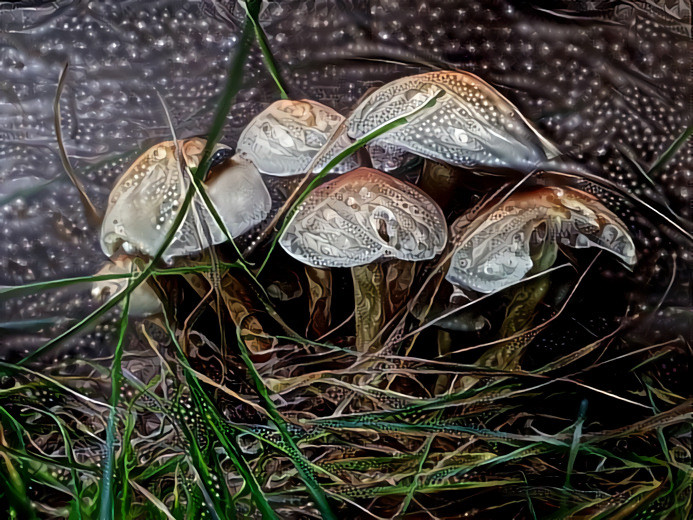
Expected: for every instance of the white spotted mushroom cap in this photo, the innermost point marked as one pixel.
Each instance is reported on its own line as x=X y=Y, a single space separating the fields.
x=470 y=125
x=284 y=138
x=364 y=216
x=499 y=247
x=144 y=202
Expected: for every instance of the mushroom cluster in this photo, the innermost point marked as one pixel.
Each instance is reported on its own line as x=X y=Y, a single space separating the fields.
x=364 y=217
x=143 y=205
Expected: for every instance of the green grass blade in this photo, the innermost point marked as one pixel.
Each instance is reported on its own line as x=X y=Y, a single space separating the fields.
x=107 y=499
x=252 y=11
x=312 y=486
x=231 y=88
x=670 y=152
x=575 y=444
x=214 y=420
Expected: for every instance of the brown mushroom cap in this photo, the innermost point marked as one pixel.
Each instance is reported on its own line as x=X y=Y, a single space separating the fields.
x=284 y=138
x=363 y=216
x=500 y=247
x=144 y=202
x=470 y=124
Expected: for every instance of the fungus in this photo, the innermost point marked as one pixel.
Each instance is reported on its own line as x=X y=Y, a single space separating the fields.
x=143 y=204
x=358 y=220
x=522 y=236
x=284 y=138
x=470 y=125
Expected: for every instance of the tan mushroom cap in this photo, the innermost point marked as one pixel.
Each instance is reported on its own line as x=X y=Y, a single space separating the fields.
x=145 y=200
x=284 y=138
x=364 y=216
x=470 y=125
x=522 y=235
x=143 y=300
x=239 y=195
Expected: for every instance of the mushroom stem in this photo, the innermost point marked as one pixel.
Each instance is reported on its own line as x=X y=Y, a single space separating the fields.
x=399 y=278
x=439 y=181
x=369 y=308
x=519 y=315
x=320 y=294
x=521 y=309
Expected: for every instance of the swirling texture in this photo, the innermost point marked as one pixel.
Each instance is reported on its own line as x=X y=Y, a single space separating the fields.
x=284 y=138
x=522 y=235
x=468 y=123
x=361 y=217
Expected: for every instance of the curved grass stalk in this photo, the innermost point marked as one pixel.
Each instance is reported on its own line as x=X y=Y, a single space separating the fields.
x=93 y=215
x=297 y=457
x=253 y=14
x=214 y=420
x=231 y=88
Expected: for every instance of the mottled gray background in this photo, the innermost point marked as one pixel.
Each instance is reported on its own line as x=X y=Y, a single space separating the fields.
x=609 y=82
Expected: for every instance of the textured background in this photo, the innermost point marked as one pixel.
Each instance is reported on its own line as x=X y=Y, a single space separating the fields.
x=608 y=82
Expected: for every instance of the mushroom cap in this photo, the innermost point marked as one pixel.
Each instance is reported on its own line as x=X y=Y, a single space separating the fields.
x=501 y=246
x=144 y=202
x=143 y=300
x=470 y=125
x=363 y=216
x=284 y=138
x=239 y=195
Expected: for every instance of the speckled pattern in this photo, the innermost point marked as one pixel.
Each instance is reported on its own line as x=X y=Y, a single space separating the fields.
x=609 y=85
x=364 y=216
x=522 y=235
x=455 y=118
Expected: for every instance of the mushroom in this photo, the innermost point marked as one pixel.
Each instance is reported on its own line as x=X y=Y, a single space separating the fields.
x=143 y=300
x=284 y=138
x=470 y=125
x=359 y=220
x=522 y=235
x=142 y=206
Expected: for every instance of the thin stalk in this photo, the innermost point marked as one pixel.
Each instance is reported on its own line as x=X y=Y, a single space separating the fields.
x=575 y=444
x=229 y=446
x=262 y=42
x=233 y=85
x=93 y=215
